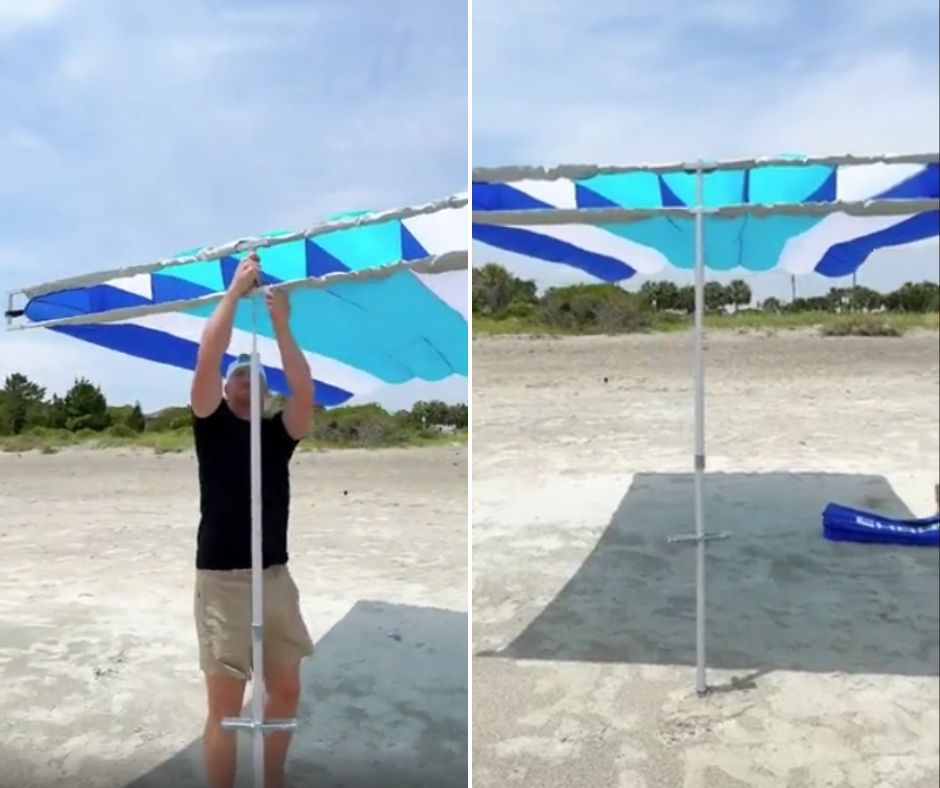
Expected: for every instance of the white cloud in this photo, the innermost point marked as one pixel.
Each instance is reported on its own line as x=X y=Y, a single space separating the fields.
x=557 y=82
x=452 y=390
x=26 y=140
x=55 y=361
x=17 y=16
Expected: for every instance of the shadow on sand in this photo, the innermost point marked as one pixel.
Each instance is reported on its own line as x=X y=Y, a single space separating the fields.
x=385 y=704
x=780 y=597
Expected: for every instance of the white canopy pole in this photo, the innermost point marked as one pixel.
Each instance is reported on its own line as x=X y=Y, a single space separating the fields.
x=257 y=573
x=700 y=537
x=698 y=366
x=257 y=723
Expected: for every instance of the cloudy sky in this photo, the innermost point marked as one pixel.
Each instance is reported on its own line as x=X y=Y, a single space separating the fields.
x=608 y=81
x=132 y=131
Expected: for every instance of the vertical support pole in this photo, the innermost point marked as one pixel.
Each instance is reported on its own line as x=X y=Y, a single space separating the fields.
x=698 y=363
x=257 y=574
x=255 y=721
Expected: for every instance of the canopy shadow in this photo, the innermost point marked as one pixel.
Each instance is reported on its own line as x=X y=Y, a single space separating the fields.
x=779 y=596
x=385 y=703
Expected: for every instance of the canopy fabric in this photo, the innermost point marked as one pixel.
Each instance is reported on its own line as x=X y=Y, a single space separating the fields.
x=831 y=245
x=378 y=304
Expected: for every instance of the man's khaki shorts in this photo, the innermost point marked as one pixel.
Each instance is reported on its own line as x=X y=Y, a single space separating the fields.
x=223 y=621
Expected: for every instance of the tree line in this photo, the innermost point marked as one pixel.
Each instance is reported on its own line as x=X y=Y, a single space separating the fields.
x=25 y=406
x=498 y=294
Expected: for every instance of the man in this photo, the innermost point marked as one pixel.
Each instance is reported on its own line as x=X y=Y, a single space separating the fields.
x=221 y=424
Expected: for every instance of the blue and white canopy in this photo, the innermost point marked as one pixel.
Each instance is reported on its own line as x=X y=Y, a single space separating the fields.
x=801 y=215
x=822 y=215
x=377 y=300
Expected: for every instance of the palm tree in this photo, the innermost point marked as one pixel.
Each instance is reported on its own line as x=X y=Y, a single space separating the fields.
x=739 y=293
x=494 y=289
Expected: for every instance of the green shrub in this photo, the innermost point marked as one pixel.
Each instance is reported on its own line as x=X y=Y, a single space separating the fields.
x=121 y=430
x=174 y=418
x=364 y=425
x=602 y=309
x=518 y=310
x=861 y=326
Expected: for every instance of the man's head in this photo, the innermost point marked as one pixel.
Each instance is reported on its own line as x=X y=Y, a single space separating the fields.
x=238 y=382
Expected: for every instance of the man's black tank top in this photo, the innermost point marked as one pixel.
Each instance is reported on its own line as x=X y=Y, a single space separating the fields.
x=223 y=453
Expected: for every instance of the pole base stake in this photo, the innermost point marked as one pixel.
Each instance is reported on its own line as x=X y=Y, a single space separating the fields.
x=710 y=537
x=248 y=724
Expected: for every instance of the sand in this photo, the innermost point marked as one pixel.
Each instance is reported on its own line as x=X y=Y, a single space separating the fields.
x=823 y=657
x=97 y=644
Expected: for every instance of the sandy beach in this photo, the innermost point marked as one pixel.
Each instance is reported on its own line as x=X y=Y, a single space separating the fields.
x=97 y=642
x=823 y=657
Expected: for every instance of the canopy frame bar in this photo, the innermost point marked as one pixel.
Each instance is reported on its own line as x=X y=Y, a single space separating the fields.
x=450 y=261
x=576 y=171
x=245 y=244
x=559 y=216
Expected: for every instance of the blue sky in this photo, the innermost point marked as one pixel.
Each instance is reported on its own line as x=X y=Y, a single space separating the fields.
x=132 y=131
x=608 y=81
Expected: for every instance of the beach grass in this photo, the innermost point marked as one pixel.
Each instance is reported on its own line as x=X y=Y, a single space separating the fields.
x=51 y=441
x=826 y=323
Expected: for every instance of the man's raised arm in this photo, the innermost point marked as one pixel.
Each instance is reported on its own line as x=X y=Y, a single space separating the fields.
x=206 y=392
x=299 y=407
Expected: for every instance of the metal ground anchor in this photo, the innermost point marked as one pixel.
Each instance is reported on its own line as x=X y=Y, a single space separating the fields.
x=686 y=538
x=248 y=724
